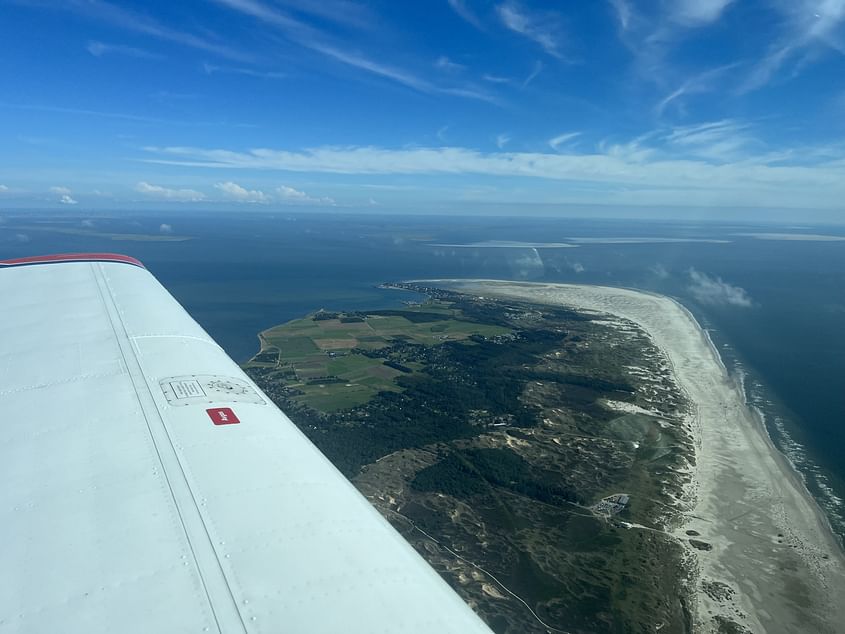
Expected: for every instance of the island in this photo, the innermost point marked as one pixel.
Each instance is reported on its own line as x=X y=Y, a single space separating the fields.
x=569 y=458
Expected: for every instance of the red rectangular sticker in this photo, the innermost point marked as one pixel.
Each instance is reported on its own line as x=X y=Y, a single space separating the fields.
x=222 y=416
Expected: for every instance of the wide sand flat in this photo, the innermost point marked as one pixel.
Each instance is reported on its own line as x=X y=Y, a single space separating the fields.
x=782 y=568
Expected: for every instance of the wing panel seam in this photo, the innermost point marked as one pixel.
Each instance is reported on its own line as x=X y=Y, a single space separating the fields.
x=110 y=305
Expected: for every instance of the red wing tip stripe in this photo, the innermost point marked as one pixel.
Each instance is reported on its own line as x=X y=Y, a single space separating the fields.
x=73 y=257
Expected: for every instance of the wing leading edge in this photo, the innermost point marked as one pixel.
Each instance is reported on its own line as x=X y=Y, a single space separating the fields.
x=150 y=486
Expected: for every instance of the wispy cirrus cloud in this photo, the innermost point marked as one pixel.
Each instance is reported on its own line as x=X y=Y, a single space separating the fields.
x=468 y=15
x=556 y=142
x=212 y=69
x=624 y=13
x=809 y=29
x=342 y=12
x=444 y=63
x=166 y=193
x=401 y=76
x=541 y=29
x=319 y=42
x=99 y=49
x=130 y=20
x=535 y=70
x=698 y=12
x=696 y=84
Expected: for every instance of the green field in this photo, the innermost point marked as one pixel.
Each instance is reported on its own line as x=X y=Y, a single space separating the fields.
x=329 y=346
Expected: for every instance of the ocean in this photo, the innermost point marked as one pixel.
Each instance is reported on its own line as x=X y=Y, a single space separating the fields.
x=774 y=307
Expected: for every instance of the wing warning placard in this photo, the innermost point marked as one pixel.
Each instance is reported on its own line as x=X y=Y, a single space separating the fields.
x=208 y=388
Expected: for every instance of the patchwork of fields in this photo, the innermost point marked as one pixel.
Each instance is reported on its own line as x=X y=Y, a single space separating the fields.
x=324 y=356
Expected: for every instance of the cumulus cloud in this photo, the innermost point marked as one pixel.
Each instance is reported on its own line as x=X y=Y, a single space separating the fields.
x=165 y=228
x=716 y=292
x=234 y=191
x=166 y=193
x=291 y=195
x=60 y=191
x=659 y=271
x=528 y=264
x=67 y=200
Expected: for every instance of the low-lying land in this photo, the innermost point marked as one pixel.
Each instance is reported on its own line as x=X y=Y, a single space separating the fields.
x=536 y=456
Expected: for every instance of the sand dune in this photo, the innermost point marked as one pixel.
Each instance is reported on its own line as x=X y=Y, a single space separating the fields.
x=774 y=565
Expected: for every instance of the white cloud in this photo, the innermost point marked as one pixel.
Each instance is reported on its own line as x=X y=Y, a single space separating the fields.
x=695 y=84
x=67 y=200
x=98 y=49
x=535 y=70
x=318 y=41
x=21 y=237
x=496 y=79
x=166 y=193
x=295 y=196
x=699 y=12
x=716 y=292
x=561 y=139
x=623 y=13
x=706 y=164
x=528 y=265
x=211 y=69
x=398 y=75
x=444 y=63
x=165 y=228
x=234 y=191
x=460 y=7
x=538 y=28
x=659 y=271
x=141 y=23
x=61 y=191
x=502 y=140
x=88 y=223
x=3 y=188
x=809 y=25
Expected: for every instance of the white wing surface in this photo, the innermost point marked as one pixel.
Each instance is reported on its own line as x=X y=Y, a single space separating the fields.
x=149 y=486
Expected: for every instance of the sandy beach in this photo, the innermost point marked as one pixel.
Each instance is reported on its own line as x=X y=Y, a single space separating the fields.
x=775 y=565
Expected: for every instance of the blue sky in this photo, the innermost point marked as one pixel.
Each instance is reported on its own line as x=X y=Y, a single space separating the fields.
x=441 y=105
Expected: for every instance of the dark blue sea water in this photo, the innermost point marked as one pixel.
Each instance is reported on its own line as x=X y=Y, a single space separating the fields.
x=775 y=308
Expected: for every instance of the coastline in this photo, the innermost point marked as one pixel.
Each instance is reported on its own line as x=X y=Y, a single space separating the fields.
x=775 y=564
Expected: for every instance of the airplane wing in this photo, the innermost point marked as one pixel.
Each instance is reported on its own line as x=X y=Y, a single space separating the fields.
x=148 y=485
